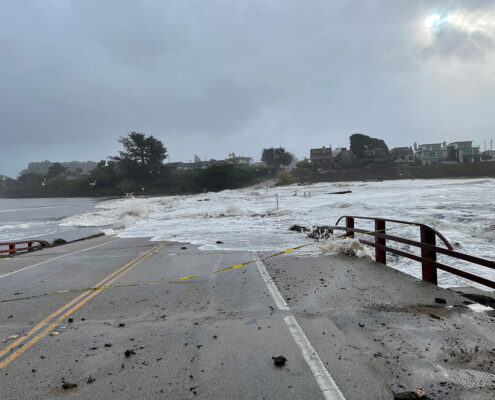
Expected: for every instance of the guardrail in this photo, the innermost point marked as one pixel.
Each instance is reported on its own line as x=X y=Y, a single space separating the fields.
x=30 y=246
x=427 y=244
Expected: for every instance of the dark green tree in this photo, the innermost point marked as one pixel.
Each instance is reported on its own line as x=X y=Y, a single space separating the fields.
x=304 y=163
x=31 y=179
x=275 y=157
x=142 y=155
x=366 y=147
x=105 y=175
x=55 y=169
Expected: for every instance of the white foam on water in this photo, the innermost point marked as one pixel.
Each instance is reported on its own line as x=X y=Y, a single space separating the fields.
x=12 y=227
x=13 y=232
x=476 y=307
x=349 y=247
x=248 y=219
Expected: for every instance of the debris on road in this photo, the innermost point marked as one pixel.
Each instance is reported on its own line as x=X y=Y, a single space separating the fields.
x=419 y=393
x=279 y=361
x=54 y=333
x=12 y=337
x=121 y=325
x=484 y=300
x=298 y=228
x=129 y=353
x=315 y=232
x=219 y=242
x=68 y=385
x=440 y=300
x=107 y=345
x=341 y=192
x=183 y=248
x=90 y=380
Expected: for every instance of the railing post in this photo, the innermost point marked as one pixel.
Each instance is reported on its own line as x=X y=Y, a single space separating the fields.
x=12 y=248
x=349 y=223
x=429 y=271
x=380 y=254
x=30 y=246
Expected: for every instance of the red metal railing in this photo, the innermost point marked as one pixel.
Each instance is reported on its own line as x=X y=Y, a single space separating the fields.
x=30 y=245
x=427 y=244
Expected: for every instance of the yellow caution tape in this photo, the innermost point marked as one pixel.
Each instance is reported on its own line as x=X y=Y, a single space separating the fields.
x=183 y=278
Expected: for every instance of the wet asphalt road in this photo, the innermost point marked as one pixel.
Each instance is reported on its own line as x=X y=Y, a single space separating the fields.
x=375 y=330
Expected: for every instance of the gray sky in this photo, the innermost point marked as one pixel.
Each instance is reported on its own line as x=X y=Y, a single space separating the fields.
x=214 y=77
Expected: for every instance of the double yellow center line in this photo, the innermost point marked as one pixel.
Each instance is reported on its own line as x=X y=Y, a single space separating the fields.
x=16 y=348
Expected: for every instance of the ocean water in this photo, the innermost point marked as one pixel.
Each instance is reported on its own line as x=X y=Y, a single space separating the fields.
x=41 y=218
x=250 y=219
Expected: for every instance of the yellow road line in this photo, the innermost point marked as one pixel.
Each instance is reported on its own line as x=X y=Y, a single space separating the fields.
x=176 y=280
x=47 y=319
x=69 y=310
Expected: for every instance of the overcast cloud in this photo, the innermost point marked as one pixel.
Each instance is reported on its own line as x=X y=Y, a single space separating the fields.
x=214 y=77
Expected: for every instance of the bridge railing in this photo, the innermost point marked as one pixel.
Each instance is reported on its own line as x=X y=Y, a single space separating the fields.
x=427 y=244
x=22 y=246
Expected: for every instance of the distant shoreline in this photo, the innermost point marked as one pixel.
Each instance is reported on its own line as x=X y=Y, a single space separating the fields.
x=393 y=172
x=371 y=173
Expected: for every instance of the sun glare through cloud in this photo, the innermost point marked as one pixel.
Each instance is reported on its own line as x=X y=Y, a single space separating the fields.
x=432 y=21
x=462 y=20
x=461 y=33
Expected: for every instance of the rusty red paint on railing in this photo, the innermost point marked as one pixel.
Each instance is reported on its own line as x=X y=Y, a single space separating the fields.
x=429 y=249
x=13 y=247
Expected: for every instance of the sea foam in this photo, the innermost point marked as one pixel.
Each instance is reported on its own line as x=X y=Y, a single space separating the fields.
x=257 y=219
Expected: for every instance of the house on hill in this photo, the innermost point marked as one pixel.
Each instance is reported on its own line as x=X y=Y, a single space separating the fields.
x=463 y=152
x=344 y=158
x=402 y=155
x=321 y=158
x=431 y=153
x=455 y=152
x=325 y=159
x=238 y=160
x=200 y=164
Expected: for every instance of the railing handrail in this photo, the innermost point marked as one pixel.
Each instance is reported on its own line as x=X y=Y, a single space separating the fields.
x=12 y=246
x=398 y=221
x=44 y=242
x=448 y=252
x=429 y=249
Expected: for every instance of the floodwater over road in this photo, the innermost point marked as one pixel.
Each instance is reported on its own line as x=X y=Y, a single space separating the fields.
x=249 y=219
x=41 y=218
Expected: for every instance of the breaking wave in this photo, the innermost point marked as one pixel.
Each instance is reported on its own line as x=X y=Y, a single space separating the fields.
x=257 y=219
x=19 y=226
x=349 y=247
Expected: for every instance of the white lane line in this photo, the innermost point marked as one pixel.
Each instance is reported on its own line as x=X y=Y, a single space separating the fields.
x=325 y=381
x=327 y=385
x=277 y=297
x=55 y=258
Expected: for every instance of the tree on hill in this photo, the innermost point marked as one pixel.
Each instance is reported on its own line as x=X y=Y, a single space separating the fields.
x=366 y=147
x=105 y=174
x=275 y=157
x=304 y=163
x=55 y=169
x=142 y=155
x=41 y=167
